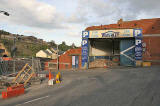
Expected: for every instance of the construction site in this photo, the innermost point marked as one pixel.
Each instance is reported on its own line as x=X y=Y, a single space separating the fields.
x=44 y=61
x=18 y=74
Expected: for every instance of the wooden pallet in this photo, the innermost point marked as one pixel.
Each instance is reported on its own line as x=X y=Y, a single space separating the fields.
x=24 y=75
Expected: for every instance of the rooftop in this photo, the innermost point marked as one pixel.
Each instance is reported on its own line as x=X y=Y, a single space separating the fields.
x=149 y=26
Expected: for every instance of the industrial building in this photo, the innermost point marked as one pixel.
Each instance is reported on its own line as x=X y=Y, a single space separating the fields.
x=71 y=59
x=127 y=43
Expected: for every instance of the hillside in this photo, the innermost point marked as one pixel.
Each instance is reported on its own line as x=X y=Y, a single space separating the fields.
x=28 y=46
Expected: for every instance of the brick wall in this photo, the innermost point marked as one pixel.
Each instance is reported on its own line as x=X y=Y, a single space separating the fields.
x=65 y=60
x=152 y=51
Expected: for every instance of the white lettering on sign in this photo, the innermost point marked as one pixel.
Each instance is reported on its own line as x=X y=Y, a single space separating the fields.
x=138 y=49
x=110 y=34
x=138 y=42
x=84 y=42
x=137 y=32
x=85 y=33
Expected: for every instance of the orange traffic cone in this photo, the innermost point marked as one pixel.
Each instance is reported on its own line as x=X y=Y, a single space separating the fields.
x=105 y=65
x=50 y=75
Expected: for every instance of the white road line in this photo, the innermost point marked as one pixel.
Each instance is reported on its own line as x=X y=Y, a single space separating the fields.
x=33 y=100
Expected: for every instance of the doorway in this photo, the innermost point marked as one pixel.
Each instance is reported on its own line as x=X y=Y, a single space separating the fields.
x=75 y=62
x=127 y=52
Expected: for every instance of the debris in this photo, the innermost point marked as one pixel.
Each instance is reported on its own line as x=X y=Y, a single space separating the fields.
x=146 y=64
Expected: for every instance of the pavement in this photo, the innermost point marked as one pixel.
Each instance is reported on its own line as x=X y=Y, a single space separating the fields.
x=123 y=86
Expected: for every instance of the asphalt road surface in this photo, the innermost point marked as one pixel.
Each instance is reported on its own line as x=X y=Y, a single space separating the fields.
x=96 y=87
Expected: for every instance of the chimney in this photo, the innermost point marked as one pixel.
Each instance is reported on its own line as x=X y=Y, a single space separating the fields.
x=120 y=21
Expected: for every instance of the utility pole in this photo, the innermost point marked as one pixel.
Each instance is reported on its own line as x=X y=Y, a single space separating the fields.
x=57 y=58
x=33 y=63
x=14 y=45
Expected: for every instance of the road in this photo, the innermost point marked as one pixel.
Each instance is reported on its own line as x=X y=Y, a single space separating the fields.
x=96 y=87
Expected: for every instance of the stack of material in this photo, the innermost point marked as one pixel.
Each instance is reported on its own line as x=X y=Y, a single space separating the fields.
x=98 y=63
x=102 y=63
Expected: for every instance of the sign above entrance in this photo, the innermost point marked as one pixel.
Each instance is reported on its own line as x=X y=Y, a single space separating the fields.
x=85 y=34
x=137 y=33
x=117 y=33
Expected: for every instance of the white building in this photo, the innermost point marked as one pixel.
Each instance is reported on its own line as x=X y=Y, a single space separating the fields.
x=48 y=53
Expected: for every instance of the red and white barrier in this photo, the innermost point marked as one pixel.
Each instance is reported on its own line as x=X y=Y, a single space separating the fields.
x=13 y=91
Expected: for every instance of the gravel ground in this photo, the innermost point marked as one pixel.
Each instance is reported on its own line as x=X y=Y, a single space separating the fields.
x=123 y=86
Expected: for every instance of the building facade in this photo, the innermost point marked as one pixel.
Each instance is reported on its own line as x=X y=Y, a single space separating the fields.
x=48 y=53
x=71 y=59
x=127 y=43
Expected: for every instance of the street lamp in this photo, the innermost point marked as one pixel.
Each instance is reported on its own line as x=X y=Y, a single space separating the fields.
x=5 y=13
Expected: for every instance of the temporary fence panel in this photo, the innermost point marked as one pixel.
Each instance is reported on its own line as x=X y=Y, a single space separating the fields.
x=3 y=67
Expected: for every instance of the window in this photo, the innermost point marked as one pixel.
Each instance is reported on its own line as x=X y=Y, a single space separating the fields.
x=52 y=65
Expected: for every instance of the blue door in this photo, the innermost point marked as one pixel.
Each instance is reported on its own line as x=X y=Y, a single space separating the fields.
x=127 y=51
x=75 y=61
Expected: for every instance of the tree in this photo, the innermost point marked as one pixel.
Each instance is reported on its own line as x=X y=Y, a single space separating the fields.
x=63 y=46
x=63 y=43
x=52 y=43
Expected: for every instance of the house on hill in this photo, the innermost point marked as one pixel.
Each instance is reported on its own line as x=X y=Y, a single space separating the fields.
x=3 y=51
x=48 y=53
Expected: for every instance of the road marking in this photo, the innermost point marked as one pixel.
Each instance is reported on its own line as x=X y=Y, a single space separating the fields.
x=33 y=100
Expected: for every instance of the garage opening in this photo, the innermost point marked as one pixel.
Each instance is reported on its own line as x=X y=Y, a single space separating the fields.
x=110 y=52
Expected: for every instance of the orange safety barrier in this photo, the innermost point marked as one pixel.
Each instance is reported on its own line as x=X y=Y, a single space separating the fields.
x=6 y=58
x=15 y=87
x=13 y=91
